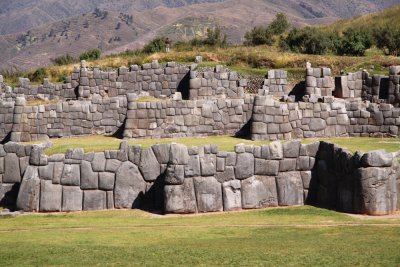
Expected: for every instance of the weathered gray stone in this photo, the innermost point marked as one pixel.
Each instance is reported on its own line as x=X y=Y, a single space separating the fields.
x=72 y=198
x=377 y=191
x=178 y=154
x=94 y=200
x=99 y=162
x=232 y=196
x=89 y=179
x=47 y=172
x=106 y=180
x=317 y=124
x=227 y=175
x=291 y=149
x=129 y=186
x=71 y=175
x=275 y=150
x=57 y=172
x=50 y=196
x=244 y=166
x=161 y=152
x=258 y=192
x=208 y=165
x=290 y=189
x=149 y=165
x=28 y=195
x=208 y=194
x=192 y=169
x=180 y=198
x=266 y=167
x=286 y=165
x=112 y=165
x=175 y=175
x=12 y=173
x=377 y=158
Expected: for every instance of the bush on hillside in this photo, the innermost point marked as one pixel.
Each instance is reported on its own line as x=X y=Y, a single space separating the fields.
x=309 y=40
x=388 y=39
x=265 y=35
x=259 y=36
x=355 y=42
x=156 y=45
x=38 y=75
x=92 y=54
x=64 y=60
x=215 y=37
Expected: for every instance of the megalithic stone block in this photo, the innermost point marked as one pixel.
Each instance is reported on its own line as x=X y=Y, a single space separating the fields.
x=180 y=198
x=28 y=196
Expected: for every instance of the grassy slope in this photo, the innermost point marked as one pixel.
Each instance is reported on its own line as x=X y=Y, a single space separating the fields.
x=389 y=16
x=240 y=239
x=225 y=143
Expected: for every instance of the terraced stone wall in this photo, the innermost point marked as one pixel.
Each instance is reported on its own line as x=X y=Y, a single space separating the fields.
x=187 y=118
x=177 y=179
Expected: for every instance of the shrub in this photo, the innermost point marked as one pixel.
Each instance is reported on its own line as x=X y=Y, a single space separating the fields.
x=308 y=40
x=92 y=54
x=215 y=37
x=355 y=42
x=38 y=75
x=259 y=36
x=388 y=39
x=64 y=60
x=156 y=45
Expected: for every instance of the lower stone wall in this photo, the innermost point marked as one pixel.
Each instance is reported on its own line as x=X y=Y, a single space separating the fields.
x=176 y=179
x=187 y=118
x=274 y=120
x=72 y=118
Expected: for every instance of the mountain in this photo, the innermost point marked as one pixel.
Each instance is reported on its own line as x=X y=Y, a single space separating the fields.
x=32 y=32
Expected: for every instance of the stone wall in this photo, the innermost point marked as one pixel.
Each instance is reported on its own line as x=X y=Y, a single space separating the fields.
x=274 y=120
x=350 y=85
x=187 y=118
x=72 y=118
x=220 y=83
x=276 y=84
x=177 y=179
x=319 y=82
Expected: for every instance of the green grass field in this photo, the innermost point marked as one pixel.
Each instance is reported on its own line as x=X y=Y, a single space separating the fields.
x=298 y=236
x=225 y=143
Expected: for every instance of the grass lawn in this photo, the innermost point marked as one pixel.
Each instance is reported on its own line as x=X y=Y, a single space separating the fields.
x=225 y=143
x=274 y=237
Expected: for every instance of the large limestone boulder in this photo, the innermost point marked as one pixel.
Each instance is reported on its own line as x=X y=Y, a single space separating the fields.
x=28 y=195
x=180 y=198
x=232 y=195
x=161 y=151
x=377 y=158
x=89 y=178
x=50 y=196
x=244 y=166
x=208 y=194
x=12 y=173
x=175 y=175
x=129 y=186
x=376 y=191
x=71 y=175
x=290 y=189
x=259 y=192
x=72 y=198
x=94 y=200
x=178 y=154
x=149 y=165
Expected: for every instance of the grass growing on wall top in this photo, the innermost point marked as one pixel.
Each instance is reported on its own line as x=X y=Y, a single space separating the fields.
x=296 y=236
x=99 y=143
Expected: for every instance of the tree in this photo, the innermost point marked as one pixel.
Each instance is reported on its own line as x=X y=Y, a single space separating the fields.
x=355 y=41
x=215 y=37
x=156 y=45
x=279 y=25
x=388 y=39
x=308 y=40
x=259 y=36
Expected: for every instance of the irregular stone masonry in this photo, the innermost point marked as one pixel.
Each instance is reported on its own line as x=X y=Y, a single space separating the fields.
x=350 y=85
x=319 y=82
x=219 y=83
x=187 y=118
x=276 y=84
x=273 y=120
x=72 y=118
x=177 y=179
